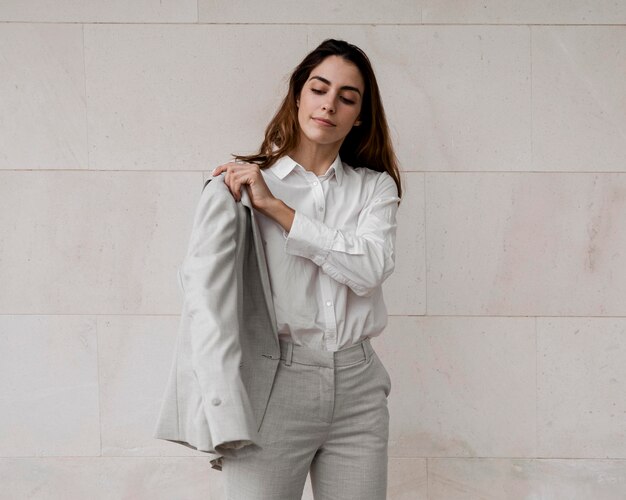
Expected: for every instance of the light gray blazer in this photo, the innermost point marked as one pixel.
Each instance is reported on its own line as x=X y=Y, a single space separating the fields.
x=227 y=351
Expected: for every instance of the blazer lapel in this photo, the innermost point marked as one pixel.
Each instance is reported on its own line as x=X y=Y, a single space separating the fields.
x=260 y=254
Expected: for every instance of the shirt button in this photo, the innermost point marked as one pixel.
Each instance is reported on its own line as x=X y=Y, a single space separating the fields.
x=315 y=183
x=329 y=303
x=216 y=401
x=321 y=209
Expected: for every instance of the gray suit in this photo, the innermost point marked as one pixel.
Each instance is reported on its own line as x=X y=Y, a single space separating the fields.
x=227 y=352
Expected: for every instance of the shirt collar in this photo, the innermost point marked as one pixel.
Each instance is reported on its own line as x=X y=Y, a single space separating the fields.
x=286 y=164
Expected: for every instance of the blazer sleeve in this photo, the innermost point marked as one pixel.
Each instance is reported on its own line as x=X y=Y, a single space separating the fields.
x=211 y=291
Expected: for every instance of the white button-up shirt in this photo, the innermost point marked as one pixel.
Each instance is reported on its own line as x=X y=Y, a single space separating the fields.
x=326 y=272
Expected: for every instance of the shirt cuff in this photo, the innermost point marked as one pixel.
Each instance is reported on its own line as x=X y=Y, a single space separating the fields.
x=309 y=238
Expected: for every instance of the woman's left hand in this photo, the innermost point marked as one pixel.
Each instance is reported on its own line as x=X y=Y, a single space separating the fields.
x=246 y=174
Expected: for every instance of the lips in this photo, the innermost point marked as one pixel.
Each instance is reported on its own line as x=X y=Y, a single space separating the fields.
x=324 y=122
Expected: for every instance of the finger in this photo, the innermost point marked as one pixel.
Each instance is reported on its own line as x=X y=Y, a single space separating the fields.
x=218 y=170
x=233 y=178
x=236 y=189
x=230 y=179
x=223 y=167
x=227 y=179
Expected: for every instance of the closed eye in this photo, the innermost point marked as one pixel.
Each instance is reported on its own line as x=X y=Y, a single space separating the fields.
x=344 y=99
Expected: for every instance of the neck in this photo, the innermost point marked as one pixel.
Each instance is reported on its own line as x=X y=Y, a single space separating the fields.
x=315 y=157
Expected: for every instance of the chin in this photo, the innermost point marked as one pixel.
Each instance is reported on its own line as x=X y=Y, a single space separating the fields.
x=318 y=138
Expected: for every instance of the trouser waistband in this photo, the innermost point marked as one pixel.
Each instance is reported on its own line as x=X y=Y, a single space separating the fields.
x=292 y=353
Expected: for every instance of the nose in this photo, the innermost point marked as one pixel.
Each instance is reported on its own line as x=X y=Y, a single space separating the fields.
x=329 y=107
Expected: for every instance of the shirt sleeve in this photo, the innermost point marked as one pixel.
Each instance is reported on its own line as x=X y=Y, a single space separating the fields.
x=362 y=258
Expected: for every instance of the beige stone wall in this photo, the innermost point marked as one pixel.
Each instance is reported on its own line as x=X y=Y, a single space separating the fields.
x=506 y=342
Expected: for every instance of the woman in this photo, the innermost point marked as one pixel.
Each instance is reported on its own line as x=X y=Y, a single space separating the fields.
x=326 y=183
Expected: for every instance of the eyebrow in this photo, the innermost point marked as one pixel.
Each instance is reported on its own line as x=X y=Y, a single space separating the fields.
x=345 y=87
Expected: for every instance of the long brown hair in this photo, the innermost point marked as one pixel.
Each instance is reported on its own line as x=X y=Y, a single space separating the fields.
x=366 y=146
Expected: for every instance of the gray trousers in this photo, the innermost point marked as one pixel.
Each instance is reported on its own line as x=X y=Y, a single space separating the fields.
x=327 y=414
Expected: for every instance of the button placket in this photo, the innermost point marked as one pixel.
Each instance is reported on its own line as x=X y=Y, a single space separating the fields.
x=318 y=195
x=330 y=332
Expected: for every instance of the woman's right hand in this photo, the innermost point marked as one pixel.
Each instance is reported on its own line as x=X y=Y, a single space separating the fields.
x=239 y=174
x=249 y=175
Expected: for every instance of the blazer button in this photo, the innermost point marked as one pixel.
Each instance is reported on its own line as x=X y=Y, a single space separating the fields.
x=216 y=401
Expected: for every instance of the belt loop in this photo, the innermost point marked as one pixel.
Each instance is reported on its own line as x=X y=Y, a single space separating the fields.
x=366 y=351
x=289 y=355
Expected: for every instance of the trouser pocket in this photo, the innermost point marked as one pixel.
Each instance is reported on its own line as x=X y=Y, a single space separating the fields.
x=384 y=372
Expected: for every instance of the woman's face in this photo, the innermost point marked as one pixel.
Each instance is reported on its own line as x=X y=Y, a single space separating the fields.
x=330 y=101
